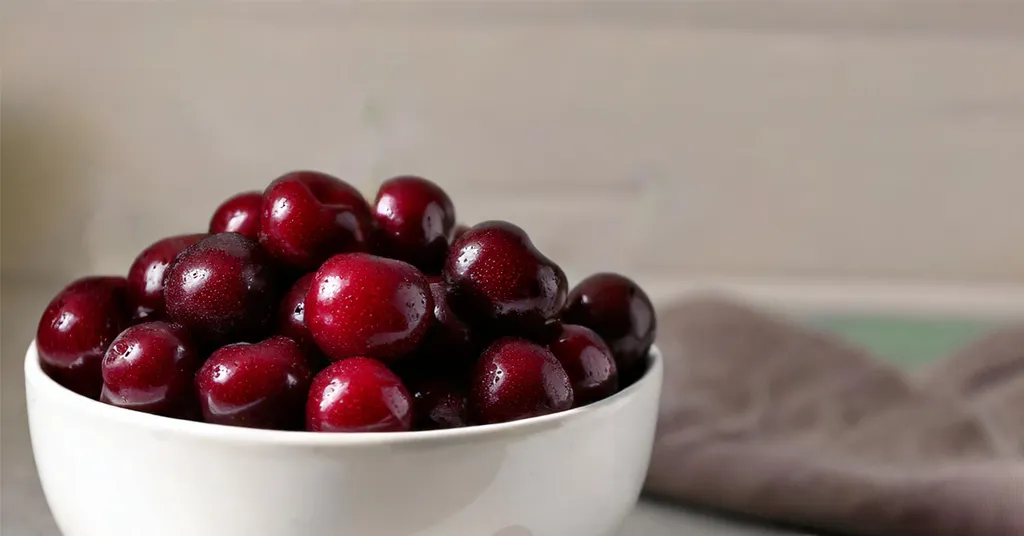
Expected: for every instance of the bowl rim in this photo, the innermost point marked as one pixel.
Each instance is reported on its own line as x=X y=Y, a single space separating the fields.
x=37 y=383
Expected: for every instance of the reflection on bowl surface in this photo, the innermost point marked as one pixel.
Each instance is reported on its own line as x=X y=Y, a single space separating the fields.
x=108 y=470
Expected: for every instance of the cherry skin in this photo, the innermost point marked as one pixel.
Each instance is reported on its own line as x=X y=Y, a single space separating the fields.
x=439 y=404
x=150 y=368
x=517 y=379
x=261 y=385
x=146 y=275
x=500 y=283
x=415 y=219
x=588 y=362
x=363 y=305
x=448 y=343
x=307 y=216
x=620 y=312
x=291 y=322
x=358 y=395
x=222 y=290
x=239 y=214
x=76 y=329
x=548 y=333
x=291 y=317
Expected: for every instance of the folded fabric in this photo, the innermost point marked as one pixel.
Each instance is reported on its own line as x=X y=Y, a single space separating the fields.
x=763 y=418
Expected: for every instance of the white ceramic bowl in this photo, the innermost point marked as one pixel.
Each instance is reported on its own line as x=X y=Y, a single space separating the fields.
x=110 y=471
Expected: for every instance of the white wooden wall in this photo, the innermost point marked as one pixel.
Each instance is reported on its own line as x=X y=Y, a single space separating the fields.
x=835 y=138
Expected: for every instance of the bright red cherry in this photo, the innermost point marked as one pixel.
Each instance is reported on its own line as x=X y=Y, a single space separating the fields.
x=77 y=327
x=517 y=379
x=150 y=368
x=261 y=385
x=439 y=404
x=239 y=214
x=620 y=312
x=308 y=216
x=415 y=218
x=358 y=395
x=587 y=361
x=222 y=289
x=363 y=305
x=500 y=283
x=146 y=276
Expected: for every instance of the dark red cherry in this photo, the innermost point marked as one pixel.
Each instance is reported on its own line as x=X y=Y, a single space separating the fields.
x=439 y=404
x=587 y=361
x=77 y=327
x=291 y=322
x=308 y=216
x=517 y=379
x=222 y=289
x=363 y=305
x=460 y=229
x=261 y=385
x=548 y=333
x=414 y=218
x=621 y=313
x=448 y=342
x=358 y=395
x=146 y=276
x=239 y=214
x=500 y=283
x=150 y=368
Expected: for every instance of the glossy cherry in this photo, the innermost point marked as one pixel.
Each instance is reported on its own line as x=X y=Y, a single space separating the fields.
x=307 y=216
x=448 y=343
x=291 y=314
x=150 y=368
x=76 y=328
x=239 y=214
x=439 y=404
x=588 y=362
x=291 y=321
x=261 y=385
x=222 y=289
x=415 y=219
x=500 y=283
x=146 y=275
x=618 y=310
x=363 y=305
x=358 y=395
x=517 y=379
x=548 y=333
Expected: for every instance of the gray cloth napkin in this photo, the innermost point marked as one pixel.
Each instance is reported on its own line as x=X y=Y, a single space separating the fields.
x=763 y=418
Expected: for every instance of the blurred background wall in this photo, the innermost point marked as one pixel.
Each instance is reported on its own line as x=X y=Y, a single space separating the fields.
x=869 y=140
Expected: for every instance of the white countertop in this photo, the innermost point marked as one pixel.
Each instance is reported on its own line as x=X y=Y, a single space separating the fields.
x=24 y=511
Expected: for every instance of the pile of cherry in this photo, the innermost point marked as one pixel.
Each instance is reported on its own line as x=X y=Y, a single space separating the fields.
x=305 y=307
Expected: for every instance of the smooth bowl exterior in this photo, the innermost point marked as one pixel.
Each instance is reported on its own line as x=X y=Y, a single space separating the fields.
x=107 y=470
